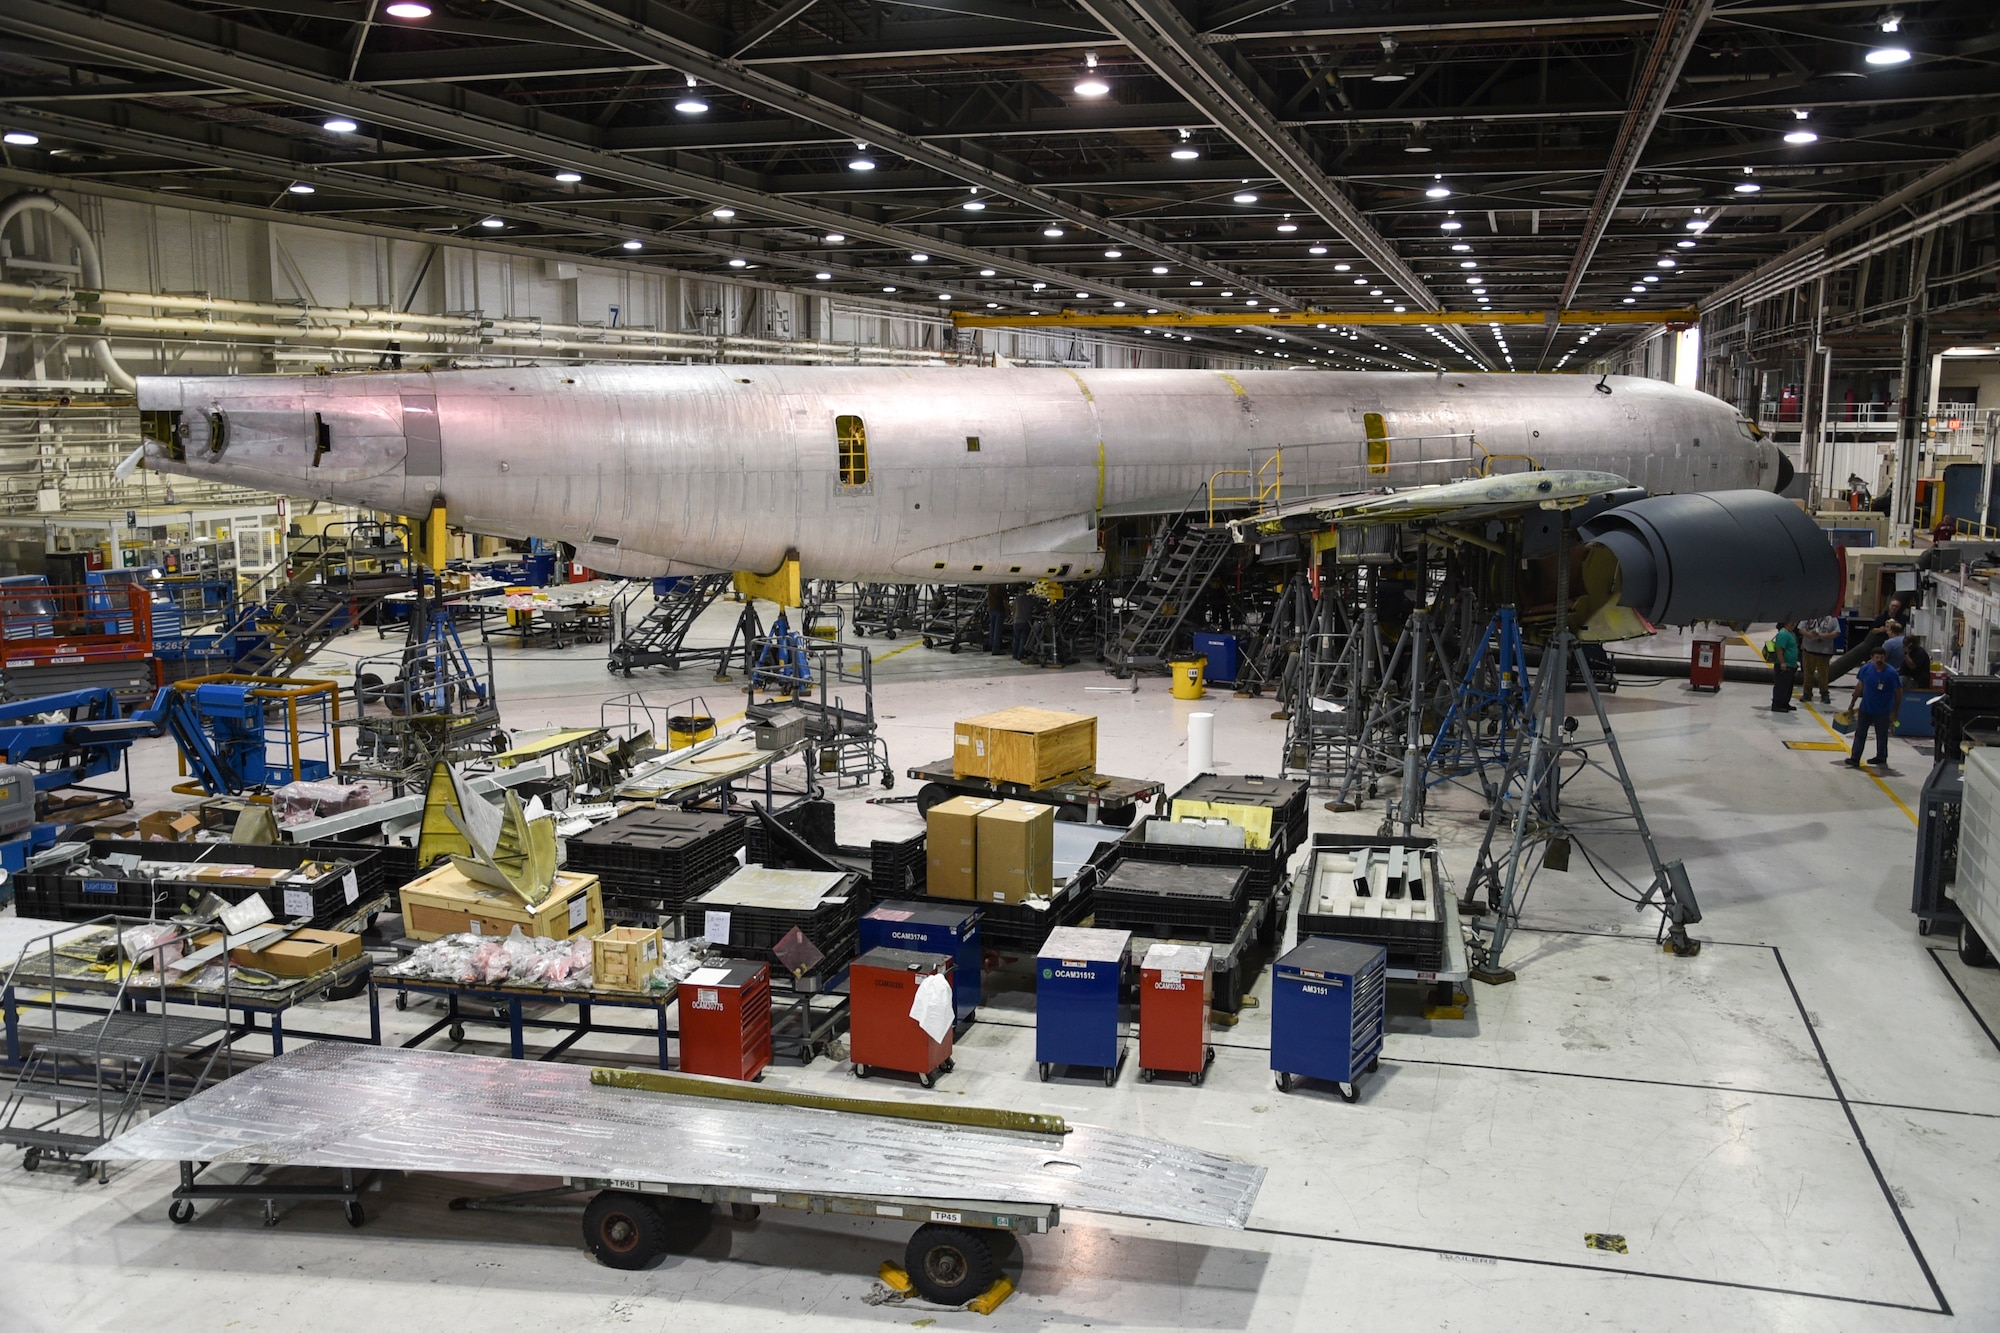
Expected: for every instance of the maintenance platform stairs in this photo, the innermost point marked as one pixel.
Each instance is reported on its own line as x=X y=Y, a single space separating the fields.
x=1181 y=561
x=658 y=638
x=316 y=596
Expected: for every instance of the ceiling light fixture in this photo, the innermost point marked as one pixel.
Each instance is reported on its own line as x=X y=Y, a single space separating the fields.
x=1052 y=231
x=407 y=9
x=20 y=138
x=1748 y=187
x=568 y=177
x=834 y=238
x=300 y=187
x=920 y=258
x=1091 y=85
x=823 y=277
x=725 y=213
x=1160 y=270
x=1114 y=254
x=1185 y=154
x=1316 y=250
x=1801 y=136
x=632 y=245
x=861 y=161
x=739 y=263
x=1245 y=198
x=340 y=125
x=1342 y=268
x=973 y=206
x=1450 y=224
x=1417 y=143
x=944 y=296
x=1887 y=55
x=986 y=273
x=690 y=105
x=1389 y=69
x=493 y=223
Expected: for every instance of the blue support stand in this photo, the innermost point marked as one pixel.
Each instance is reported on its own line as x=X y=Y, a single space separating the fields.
x=1486 y=709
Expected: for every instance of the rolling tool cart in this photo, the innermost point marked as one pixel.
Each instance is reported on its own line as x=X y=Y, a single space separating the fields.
x=1176 y=988
x=725 y=1017
x=951 y=929
x=1076 y=1000
x=883 y=1031
x=1328 y=1009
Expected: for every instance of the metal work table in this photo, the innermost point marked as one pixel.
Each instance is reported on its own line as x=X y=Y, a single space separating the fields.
x=74 y=977
x=514 y=1000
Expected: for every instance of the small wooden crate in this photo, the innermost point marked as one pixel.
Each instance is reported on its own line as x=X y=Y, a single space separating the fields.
x=623 y=957
x=1032 y=747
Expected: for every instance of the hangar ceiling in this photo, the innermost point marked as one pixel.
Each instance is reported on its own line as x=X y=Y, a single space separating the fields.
x=1339 y=156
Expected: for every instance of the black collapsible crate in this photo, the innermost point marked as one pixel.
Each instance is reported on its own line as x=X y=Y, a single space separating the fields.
x=384 y=868
x=1413 y=946
x=897 y=869
x=834 y=927
x=811 y=820
x=1020 y=928
x=649 y=863
x=1264 y=866
x=1173 y=902
x=1286 y=798
x=87 y=887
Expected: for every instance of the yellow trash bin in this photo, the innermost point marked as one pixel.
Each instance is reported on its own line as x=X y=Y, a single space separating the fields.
x=1187 y=678
x=690 y=730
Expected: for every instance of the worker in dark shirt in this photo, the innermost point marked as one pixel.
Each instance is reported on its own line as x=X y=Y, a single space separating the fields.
x=1878 y=697
x=1893 y=611
x=996 y=618
x=1893 y=645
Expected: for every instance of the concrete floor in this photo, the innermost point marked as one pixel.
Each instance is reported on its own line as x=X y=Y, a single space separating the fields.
x=1798 y=1129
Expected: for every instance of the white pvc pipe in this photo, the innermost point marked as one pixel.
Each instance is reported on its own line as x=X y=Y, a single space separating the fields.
x=92 y=271
x=1201 y=743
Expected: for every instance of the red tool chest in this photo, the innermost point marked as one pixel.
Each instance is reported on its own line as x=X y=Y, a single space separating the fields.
x=1176 y=988
x=726 y=1020
x=1705 y=665
x=881 y=988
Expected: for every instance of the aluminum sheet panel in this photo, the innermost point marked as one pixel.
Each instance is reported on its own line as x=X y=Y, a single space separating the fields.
x=335 y=1105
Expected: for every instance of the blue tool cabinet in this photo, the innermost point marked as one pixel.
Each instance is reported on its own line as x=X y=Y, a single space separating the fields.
x=1077 y=978
x=1328 y=1007
x=946 y=928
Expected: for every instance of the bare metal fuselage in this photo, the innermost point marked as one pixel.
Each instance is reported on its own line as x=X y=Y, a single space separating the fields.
x=970 y=475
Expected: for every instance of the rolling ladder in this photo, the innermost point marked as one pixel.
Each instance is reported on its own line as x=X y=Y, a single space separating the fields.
x=298 y=610
x=1180 y=562
x=658 y=638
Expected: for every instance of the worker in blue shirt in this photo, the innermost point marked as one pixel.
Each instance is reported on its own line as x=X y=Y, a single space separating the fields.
x=1878 y=697
x=1893 y=645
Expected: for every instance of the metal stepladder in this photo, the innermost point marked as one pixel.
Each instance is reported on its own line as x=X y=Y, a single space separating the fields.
x=81 y=1086
x=656 y=639
x=1181 y=560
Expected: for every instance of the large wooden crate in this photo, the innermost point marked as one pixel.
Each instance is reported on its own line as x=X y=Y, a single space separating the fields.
x=1033 y=747
x=445 y=902
x=623 y=957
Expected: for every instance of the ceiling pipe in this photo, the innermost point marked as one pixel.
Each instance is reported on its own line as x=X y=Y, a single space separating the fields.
x=93 y=273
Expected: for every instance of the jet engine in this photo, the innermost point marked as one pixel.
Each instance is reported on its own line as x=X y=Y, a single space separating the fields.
x=1719 y=555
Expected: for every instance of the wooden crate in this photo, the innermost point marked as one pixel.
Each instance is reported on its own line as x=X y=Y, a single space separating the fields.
x=623 y=957
x=1033 y=747
x=445 y=902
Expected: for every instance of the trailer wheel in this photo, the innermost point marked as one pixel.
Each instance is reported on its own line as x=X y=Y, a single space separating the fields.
x=180 y=1212
x=1120 y=817
x=354 y=1213
x=1972 y=950
x=685 y=1223
x=623 y=1230
x=950 y=1265
x=931 y=794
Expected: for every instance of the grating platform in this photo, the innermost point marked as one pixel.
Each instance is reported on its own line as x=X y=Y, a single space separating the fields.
x=130 y=1036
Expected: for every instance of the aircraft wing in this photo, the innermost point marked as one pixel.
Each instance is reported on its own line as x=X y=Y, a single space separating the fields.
x=1480 y=497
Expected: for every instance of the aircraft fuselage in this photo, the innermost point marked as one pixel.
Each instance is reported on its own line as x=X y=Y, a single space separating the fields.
x=945 y=475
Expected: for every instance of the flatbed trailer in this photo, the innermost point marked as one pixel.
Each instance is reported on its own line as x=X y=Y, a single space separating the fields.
x=657 y=1152
x=1093 y=798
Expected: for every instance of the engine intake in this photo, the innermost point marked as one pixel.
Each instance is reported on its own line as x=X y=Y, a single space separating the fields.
x=1722 y=555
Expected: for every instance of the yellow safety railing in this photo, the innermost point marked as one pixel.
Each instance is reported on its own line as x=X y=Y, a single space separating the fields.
x=1487 y=458
x=1263 y=486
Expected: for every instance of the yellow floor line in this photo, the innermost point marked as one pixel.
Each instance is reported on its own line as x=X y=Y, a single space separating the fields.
x=913 y=643
x=1872 y=775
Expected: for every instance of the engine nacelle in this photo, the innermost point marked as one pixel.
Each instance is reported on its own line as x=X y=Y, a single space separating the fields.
x=1721 y=555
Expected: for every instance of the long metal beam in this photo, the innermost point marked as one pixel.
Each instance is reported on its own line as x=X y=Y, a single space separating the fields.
x=1329 y=319
x=148 y=34
x=1156 y=32
x=624 y=25
x=1680 y=24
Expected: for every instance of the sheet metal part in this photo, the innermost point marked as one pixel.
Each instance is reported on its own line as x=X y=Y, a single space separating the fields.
x=366 y=1107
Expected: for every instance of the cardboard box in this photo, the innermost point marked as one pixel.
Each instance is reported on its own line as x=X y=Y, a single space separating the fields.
x=951 y=846
x=172 y=825
x=303 y=953
x=623 y=957
x=123 y=829
x=1031 y=747
x=445 y=902
x=1016 y=851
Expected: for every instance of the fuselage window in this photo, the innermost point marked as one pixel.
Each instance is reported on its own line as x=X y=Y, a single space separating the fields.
x=853 y=436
